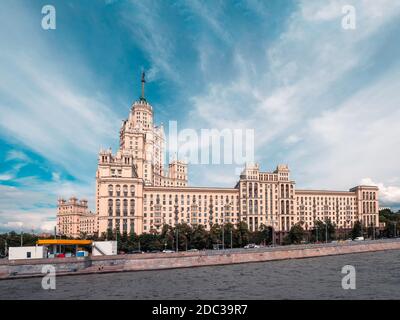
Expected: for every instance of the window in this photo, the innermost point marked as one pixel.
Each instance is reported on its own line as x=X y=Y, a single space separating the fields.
x=28 y=255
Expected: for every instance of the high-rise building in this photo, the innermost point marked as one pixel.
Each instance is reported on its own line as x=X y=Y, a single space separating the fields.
x=74 y=218
x=134 y=192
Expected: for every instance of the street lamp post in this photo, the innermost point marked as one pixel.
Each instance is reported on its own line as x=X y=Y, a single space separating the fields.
x=315 y=221
x=176 y=212
x=326 y=230
x=231 y=240
x=273 y=230
x=223 y=234
x=177 y=238
x=210 y=217
x=373 y=230
x=224 y=214
x=326 y=212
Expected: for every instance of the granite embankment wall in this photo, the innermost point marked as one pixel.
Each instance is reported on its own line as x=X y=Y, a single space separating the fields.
x=157 y=261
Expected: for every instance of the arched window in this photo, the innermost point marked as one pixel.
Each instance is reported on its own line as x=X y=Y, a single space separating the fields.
x=125 y=208
x=110 y=190
x=125 y=189
x=110 y=207
x=118 y=207
x=132 y=207
x=250 y=189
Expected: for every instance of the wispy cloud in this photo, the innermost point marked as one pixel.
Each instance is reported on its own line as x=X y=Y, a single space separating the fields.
x=17 y=155
x=48 y=110
x=44 y=110
x=320 y=90
x=320 y=98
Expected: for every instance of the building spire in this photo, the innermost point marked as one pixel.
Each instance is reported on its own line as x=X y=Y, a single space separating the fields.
x=143 y=82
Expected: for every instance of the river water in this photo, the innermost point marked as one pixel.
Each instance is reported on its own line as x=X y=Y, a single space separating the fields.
x=377 y=277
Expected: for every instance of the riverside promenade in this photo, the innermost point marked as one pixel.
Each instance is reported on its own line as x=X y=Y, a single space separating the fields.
x=158 y=261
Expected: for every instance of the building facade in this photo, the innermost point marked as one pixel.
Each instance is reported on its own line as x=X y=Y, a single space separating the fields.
x=74 y=218
x=135 y=193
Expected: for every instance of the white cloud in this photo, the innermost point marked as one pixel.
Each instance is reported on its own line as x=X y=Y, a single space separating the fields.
x=297 y=96
x=359 y=138
x=37 y=220
x=16 y=155
x=6 y=177
x=292 y=139
x=54 y=113
x=32 y=205
x=44 y=109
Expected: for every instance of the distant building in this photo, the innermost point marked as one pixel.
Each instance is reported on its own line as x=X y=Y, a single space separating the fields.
x=45 y=235
x=74 y=218
x=135 y=193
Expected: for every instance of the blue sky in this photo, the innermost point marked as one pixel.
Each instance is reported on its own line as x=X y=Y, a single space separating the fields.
x=322 y=99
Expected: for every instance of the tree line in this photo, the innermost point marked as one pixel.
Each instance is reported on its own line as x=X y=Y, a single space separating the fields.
x=186 y=237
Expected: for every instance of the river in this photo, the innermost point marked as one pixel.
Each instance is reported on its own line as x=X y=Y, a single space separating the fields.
x=377 y=277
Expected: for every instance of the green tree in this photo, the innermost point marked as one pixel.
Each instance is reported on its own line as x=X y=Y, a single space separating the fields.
x=322 y=230
x=150 y=241
x=243 y=234
x=214 y=235
x=391 y=221
x=295 y=235
x=228 y=232
x=133 y=241
x=199 y=237
x=262 y=236
x=184 y=235
x=356 y=231
x=110 y=235
x=167 y=236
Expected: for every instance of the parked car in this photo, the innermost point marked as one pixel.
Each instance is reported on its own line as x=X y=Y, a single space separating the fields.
x=251 y=246
x=193 y=250
x=135 y=251
x=168 y=251
x=359 y=239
